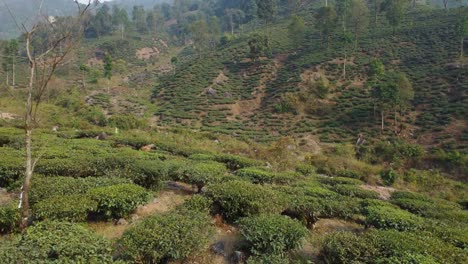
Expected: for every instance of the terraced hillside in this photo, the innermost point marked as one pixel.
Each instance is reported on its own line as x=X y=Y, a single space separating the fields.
x=226 y=91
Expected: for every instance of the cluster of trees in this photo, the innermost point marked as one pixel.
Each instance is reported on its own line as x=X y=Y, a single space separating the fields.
x=107 y=21
x=10 y=54
x=392 y=91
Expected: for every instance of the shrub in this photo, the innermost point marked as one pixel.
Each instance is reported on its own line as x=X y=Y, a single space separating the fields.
x=74 y=208
x=388 y=176
x=375 y=246
x=339 y=180
x=309 y=210
x=10 y=218
x=171 y=236
x=306 y=169
x=234 y=162
x=204 y=173
x=126 y=122
x=178 y=169
x=271 y=234
x=148 y=173
x=46 y=187
x=256 y=175
x=118 y=201
x=355 y=191
x=196 y=203
x=387 y=217
x=346 y=247
x=430 y=207
x=237 y=199
x=57 y=242
x=202 y=157
x=11 y=166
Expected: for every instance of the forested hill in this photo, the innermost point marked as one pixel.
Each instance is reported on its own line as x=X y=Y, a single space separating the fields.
x=26 y=10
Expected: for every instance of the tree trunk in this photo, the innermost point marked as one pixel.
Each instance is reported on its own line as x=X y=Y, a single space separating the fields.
x=28 y=133
x=395 y=120
x=461 y=48
x=382 y=120
x=13 y=74
x=83 y=78
x=344 y=65
x=232 y=26
x=7 y=78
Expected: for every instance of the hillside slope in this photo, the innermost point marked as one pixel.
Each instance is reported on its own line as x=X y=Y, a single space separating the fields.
x=227 y=92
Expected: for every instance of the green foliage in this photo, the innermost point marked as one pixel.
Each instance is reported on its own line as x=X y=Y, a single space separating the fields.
x=375 y=246
x=126 y=122
x=388 y=176
x=10 y=218
x=108 y=66
x=355 y=191
x=43 y=188
x=309 y=205
x=256 y=175
x=387 y=217
x=196 y=203
x=204 y=173
x=11 y=166
x=57 y=242
x=340 y=181
x=236 y=199
x=376 y=68
x=118 y=201
x=170 y=236
x=272 y=234
x=259 y=46
x=234 y=162
x=296 y=30
x=430 y=207
x=73 y=208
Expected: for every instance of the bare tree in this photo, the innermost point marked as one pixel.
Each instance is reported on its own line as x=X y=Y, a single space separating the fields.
x=48 y=43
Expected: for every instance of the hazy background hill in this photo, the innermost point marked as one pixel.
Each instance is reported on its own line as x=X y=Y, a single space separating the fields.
x=24 y=10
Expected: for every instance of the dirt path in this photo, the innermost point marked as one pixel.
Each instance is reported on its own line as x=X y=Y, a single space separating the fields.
x=384 y=192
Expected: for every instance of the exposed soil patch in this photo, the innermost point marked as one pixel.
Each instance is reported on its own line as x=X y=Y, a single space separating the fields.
x=384 y=192
x=147 y=53
x=5 y=197
x=8 y=116
x=327 y=226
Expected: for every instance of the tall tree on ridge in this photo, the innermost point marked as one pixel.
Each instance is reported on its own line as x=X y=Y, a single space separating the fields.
x=358 y=19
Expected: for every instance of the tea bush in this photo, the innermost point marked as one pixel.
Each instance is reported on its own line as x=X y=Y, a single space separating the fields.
x=46 y=187
x=339 y=180
x=347 y=247
x=236 y=199
x=57 y=242
x=10 y=217
x=256 y=175
x=11 y=166
x=354 y=191
x=387 y=217
x=204 y=173
x=234 y=162
x=73 y=208
x=272 y=234
x=118 y=201
x=170 y=236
